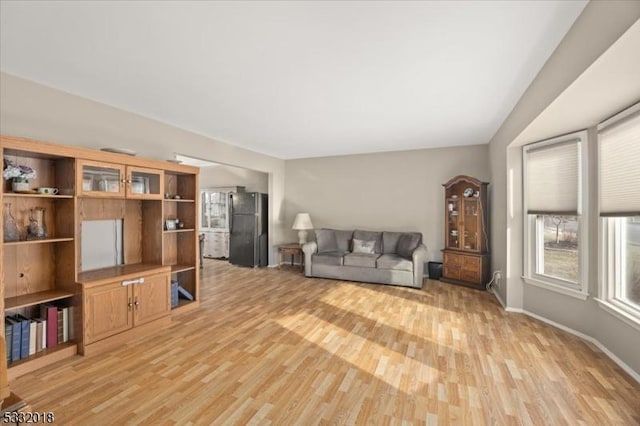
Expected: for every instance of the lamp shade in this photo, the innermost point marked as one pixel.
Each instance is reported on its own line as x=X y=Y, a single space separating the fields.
x=302 y=222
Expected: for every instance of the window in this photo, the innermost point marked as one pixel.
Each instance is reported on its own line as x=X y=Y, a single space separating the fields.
x=619 y=190
x=554 y=218
x=559 y=257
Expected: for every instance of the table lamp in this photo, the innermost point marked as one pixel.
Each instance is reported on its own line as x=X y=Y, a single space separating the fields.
x=301 y=224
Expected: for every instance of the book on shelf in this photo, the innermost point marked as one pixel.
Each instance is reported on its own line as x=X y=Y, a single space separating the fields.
x=33 y=325
x=39 y=324
x=71 y=324
x=8 y=337
x=24 y=335
x=65 y=324
x=50 y=313
x=16 y=333
x=60 y=325
x=184 y=293
x=8 y=329
x=174 y=294
x=44 y=333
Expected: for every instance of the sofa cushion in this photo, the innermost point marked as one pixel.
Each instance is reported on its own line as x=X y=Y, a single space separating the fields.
x=370 y=236
x=394 y=261
x=361 y=259
x=343 y=238
x=328 y=258
x=390 y=241
x=360 y=246
x=326 y=239
x=408 y=242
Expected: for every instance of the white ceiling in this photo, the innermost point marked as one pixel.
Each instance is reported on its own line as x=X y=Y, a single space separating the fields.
x=294 y=79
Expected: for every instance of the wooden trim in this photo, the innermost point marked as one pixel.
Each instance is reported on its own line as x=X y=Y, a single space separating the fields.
x=125 y=337
x=58 y=150
x=119 y=273
x=185 y=306
x=35 y=298
x=462 y=178
x=42 y=359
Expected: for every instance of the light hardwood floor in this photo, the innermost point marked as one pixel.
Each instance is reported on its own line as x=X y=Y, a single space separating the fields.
x=270 y=346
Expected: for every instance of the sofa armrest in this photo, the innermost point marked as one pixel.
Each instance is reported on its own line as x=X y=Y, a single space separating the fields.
x=419 y=256
x=309 y=249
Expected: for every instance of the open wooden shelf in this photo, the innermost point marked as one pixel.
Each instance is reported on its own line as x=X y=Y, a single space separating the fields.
x=17 y=194
x=42 y=241
x=184 y=306
x=40 y=359
x=173 y=231
x=179 y=200
x=35 y=298
x=181 y=268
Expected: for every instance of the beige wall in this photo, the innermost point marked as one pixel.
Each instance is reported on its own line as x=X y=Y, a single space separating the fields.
x=216 y=176
x=393 y=191
x=562 y=78
x=35 y=111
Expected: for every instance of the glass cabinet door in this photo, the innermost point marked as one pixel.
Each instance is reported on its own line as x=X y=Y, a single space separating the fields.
x=205 y=212
x=100 y=179
x=215 y=210
x=453 y=223
x=219 y=210
x=471 y=234
x=145 y=183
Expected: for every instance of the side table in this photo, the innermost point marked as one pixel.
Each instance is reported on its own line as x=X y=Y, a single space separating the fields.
x=292 y=249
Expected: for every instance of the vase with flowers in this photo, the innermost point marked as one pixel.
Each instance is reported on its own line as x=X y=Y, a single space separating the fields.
x=19 y=175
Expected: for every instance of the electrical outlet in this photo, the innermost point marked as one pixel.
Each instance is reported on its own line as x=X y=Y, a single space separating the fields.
x=498 y=279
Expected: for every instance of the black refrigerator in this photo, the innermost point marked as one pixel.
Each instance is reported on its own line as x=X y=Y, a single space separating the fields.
x=248 y=229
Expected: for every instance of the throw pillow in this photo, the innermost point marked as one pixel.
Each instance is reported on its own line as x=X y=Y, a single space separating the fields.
x=369 y=236
x=361 y=246
x=408 y=243
x=326 y=239
x=343 y=238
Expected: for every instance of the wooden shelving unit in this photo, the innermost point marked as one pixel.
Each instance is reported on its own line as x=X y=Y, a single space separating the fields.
x=466 y=252
x=181 y=268
x=180 y=246
x=37 y=298
x=42 y=241
x=20 y=195
x=95 y=185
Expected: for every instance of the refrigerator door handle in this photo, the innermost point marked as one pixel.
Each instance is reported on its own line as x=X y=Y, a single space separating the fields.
x=230 y=213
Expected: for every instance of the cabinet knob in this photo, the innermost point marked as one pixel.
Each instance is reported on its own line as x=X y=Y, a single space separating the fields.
x=130 y=305
x=136 y=303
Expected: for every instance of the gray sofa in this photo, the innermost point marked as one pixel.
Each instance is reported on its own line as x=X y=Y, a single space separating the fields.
x=395 y=258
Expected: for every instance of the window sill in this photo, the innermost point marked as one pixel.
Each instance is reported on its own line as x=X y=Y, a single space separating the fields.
x=558 y=289
x=619 y=313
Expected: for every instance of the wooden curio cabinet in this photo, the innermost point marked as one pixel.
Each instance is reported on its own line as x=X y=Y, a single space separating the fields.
x=466 y=252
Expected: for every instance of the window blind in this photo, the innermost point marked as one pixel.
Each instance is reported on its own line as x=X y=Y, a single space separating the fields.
x=620 y=167
x=553 y=178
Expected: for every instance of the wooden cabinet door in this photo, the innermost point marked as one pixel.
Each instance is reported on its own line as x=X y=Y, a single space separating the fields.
x=97 y=179
x=152 y=298
x=144 y=183
x=452 y=266
x=107 y=311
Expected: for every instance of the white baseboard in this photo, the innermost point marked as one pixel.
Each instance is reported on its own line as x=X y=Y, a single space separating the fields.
x=497 y=295
x=583 y=336
x=588 y=338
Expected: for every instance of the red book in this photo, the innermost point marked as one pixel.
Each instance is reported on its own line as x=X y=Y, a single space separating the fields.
x=50 y=313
